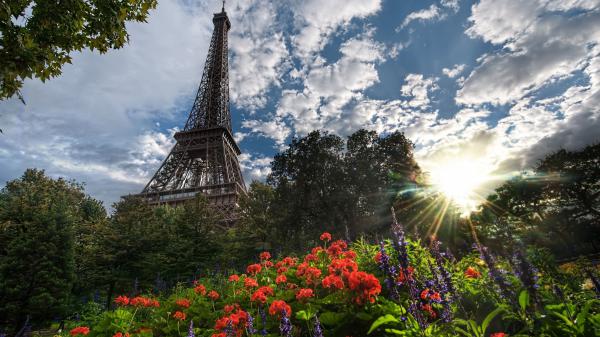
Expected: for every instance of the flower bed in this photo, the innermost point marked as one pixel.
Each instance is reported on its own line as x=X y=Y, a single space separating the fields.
x=399 y=287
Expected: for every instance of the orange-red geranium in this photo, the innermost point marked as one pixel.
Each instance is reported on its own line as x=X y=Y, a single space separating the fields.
x=280 y=279
x=213 y=295
x=377 y=257
x=333 y=281
x=366 y=286
x=179 y=315
x=282 y=270
x=119 y=334
x=277 y=308
x=250 y=282
x=200 y=289
x=254 y=269
x=472 y=273
x=122 y=300
x=80 y=330
x=183 y=302
x=304 y=294
x=499 y=334
x=325 y=237
x=265 y=256
x=141 y=301
x=234 y=278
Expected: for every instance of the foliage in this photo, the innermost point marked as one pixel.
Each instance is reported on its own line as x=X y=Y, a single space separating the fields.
x=557 y=205
x=37 y=37
x=340 y=290
x=41 y=225
x=321 y=182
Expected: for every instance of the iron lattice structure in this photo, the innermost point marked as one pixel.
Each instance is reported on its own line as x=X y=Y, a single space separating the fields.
x=204 y=159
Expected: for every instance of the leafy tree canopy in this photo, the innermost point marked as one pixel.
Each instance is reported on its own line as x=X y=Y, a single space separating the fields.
x=38 y=36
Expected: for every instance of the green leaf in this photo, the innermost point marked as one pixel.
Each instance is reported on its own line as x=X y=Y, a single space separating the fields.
x=488 y=319
x=331 y=318
x=382 y=320
x=396 y=332
x=524 y=299
x=364 y=316
x=302 y=315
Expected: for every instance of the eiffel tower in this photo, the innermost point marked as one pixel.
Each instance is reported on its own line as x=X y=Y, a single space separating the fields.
x=205 y=158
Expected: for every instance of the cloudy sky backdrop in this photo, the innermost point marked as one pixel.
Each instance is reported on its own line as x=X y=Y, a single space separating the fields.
x=495 y=83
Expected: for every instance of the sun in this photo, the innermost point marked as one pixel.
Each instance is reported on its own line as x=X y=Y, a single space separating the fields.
x=458 y=180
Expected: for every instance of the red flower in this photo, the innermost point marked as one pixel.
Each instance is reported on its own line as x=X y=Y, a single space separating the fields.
x=472 y=273
x=427 y=308
x=325 y=237
x=337 y=248
x=230 y=307
x=234 y=278
x=213 y=295
x=143 y=302
x=200 y=289
x=291 y=286
x=281 y=279
x=350 y=254
x=179 y=315
x=278 y=306
x=254 y=269
x=289 y=261
x=316 y=250
x=377 y=257
x=405 y=274
x=342 y=266
x=119 y=334
x=250 y=282
x=333 y=281
x=265 y=256
x=303 y=294
x=425 y=293
x=220 y=334
x=499 y=334
x=122 y=300
x=310 y=274
x=268 y=264
x=366 y=286
x=436 y=297
x=311 y=257
x=261 y=294
x=184 y=303
x=80 y=330
x=281 y=270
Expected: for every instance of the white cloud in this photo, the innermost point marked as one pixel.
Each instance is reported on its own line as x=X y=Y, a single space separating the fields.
x=452 y=4
x=454 y=71
x=538 y=49
x=316 y=20
x=431 y=13
x=255 y=167
x=418 y=88
x=258 y=52
x=274 y=129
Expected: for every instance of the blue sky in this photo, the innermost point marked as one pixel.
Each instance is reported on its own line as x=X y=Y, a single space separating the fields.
x=493 y=83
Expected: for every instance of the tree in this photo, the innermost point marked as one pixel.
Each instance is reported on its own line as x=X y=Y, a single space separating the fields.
x=556 y=205
x=322 y=183
x=308 y=179
x=37 y=37
x=39 y=219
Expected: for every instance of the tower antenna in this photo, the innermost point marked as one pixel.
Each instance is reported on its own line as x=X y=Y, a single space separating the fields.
x=223 y=9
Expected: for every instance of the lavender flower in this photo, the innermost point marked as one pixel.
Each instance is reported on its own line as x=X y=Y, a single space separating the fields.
x=388 y=270
x=263 y=318
x=318 y=329
x=285 y=327
x=496 y=274
x=526 y=273
x=443 y=281
x=250 y=325
x=191 y=329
